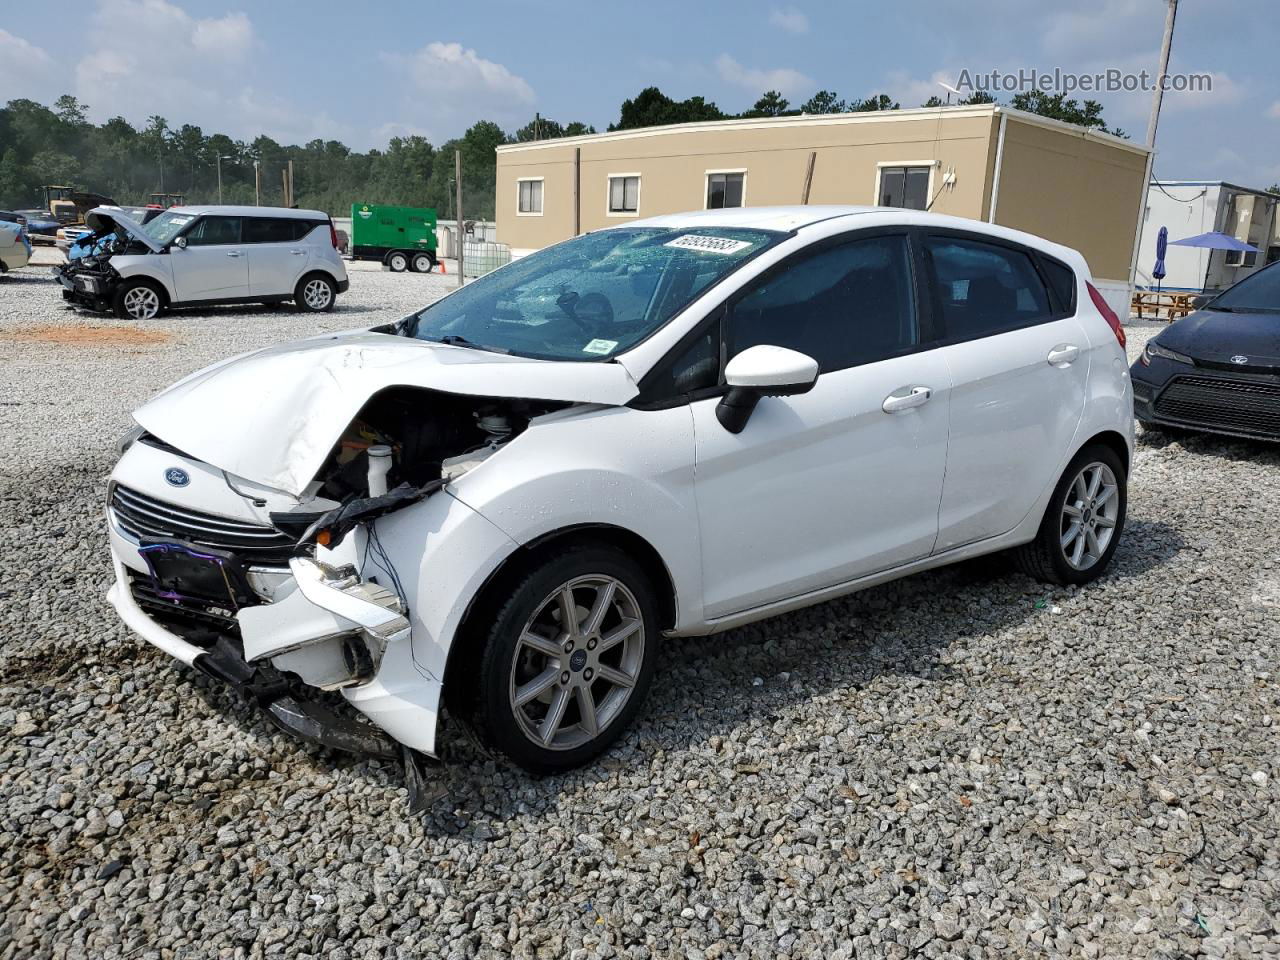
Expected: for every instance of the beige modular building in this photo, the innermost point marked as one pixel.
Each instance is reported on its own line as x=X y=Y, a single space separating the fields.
x=1069 y=184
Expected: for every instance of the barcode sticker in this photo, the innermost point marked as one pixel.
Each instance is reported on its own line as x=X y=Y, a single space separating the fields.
x=693 y=241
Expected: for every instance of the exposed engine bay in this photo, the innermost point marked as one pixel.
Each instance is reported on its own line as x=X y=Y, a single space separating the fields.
x=90 y=281
x=430 y=436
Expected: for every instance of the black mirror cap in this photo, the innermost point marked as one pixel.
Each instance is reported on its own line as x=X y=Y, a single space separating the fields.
x=736 y=407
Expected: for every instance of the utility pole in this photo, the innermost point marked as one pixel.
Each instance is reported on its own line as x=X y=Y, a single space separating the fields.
x=457 y=175
x=1170 y=15
x=291 y=200
x=284 y=193
x=218 y=164
x=257 y=183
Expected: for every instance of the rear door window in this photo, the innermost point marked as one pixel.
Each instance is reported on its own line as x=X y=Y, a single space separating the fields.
x=1062 y=281
x=274 y=229
x=983 y=289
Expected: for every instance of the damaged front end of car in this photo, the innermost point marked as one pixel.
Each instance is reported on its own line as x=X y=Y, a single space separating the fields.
x=302 y=598
x=91 y=281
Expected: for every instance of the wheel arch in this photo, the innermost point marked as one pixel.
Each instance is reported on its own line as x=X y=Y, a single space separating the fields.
x=465 y=650
x=1114 y=440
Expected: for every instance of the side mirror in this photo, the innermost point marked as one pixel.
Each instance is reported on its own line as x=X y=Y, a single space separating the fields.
x=181 y=243
x=1198 y=303
x=762 y=371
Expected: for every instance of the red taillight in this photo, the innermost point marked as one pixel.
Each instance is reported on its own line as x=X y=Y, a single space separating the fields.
x=1107 y=313
x=333 y=234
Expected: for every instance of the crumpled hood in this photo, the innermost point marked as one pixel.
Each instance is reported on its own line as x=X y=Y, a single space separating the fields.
x=273 y=416
x=1218 y=336
x=106 y=219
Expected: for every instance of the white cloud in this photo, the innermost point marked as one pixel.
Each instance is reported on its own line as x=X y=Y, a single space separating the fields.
x=440 y=67
x=783 y=79
x=789 y=19
x=452 y=87
x=1222 y=92
x=30 y=71
x=152 y=57
x=1087 y=27
x=1273 y=111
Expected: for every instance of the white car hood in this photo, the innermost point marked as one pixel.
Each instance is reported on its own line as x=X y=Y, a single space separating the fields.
x=273 y=416
x=104 y=219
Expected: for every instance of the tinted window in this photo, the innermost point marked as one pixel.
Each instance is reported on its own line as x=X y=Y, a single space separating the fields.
x=214 y=230
x=905 y=187
x=843 y=306
x=274 y=230
x=1062 y=280
x=724 y=190
x=985 y=289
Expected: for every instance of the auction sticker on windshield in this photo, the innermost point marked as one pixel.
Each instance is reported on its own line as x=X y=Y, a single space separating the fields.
x=693 y=241
x=600 y=346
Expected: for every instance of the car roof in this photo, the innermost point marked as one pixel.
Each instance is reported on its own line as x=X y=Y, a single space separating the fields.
x=798 y=218
x=233 y=211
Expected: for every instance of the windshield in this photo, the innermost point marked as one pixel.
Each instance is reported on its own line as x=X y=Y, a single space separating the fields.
x=590 y=297
x=167 y=226
x=1257 y=293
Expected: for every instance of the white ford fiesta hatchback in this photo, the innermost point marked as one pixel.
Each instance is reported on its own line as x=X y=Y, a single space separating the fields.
x=507 y=501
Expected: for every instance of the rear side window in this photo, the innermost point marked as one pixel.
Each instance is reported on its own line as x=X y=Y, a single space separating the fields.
x=984 y=289
x=275 y=229
x=843 y=306
x=1062 y=281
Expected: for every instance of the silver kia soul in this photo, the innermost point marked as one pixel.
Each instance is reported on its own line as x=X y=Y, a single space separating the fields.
x=196 y=256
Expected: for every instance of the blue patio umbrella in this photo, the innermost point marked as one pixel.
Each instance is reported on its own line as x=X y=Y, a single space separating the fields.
x=1162 y=247
x=1214 y=240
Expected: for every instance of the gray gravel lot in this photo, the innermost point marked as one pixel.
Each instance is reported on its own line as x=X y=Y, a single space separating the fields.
x=964 y=763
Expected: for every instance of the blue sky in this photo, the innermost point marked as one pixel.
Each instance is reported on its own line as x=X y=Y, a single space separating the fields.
x=299 y=69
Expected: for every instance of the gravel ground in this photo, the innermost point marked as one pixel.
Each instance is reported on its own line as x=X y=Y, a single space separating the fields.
x=964 y=763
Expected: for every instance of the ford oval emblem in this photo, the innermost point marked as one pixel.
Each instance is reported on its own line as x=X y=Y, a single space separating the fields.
x=176 y=477
x=1239 y=359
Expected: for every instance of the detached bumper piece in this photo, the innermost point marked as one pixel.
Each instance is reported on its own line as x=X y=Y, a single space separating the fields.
x=305 y=719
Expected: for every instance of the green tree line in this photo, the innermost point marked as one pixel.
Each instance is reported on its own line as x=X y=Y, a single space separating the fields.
x=58 y=145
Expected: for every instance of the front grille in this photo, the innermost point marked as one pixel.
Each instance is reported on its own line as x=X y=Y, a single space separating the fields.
x=1244 y=406
x=139 y=515
x=195 y=621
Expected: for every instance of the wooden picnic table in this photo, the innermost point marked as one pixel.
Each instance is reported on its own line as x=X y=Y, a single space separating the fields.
x=1150 y=305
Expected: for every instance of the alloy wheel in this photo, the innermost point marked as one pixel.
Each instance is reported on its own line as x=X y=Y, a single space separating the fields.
x=577 y=662
x=317 y=294
x=142 y=303
x=1090 y=512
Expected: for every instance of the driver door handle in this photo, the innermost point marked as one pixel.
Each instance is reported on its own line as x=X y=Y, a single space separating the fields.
x=906 y=399
x=1063 y=354
x=233 y=253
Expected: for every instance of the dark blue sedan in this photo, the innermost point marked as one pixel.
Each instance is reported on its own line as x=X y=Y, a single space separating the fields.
x=1218 y=369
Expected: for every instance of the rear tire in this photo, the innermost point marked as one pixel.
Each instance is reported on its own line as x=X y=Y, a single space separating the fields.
x=138 y=300
x=315 y=293
x=422 y=263
x=397 y=262
x=1082 y=523
x=551 y=698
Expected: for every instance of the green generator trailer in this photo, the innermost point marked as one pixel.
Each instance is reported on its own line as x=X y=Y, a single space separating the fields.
x=400 y=238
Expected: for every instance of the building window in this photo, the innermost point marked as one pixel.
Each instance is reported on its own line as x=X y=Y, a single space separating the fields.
x=530 y=197
x=904 y=186
x=624 y=193
x=725 y=189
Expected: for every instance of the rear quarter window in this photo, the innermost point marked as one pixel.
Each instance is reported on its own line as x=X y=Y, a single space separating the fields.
x=1062 y=281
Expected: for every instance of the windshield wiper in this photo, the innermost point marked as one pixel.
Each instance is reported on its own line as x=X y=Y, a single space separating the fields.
x=454 y=340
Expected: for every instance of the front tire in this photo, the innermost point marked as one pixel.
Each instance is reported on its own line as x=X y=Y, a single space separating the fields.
x=397 y=262
x=315 y=294
x=567 y=659
x=138 y=300
x=1083 y=522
